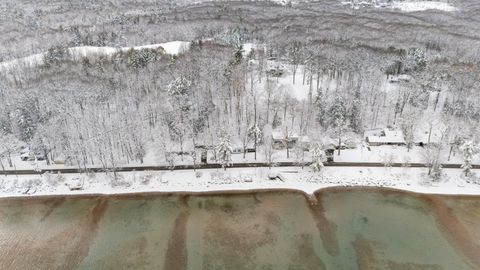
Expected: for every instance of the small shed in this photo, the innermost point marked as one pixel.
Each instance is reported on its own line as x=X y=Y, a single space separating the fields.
x=329 y=153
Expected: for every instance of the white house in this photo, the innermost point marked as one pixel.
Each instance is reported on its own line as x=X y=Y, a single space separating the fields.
x=399 y=78
x=279 y=138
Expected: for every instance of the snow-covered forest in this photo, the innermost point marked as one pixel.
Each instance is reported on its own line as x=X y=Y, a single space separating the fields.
x=234 y=84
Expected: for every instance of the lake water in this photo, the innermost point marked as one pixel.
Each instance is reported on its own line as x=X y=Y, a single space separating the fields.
x=348 y=229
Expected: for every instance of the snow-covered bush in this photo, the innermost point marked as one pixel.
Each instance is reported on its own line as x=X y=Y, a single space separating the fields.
x=171 y=160
x=117 y=180
x=30 y=186
x=60 y=178
x=147 y=177
x=388 y=160
x=50 y=179
x=436 y=173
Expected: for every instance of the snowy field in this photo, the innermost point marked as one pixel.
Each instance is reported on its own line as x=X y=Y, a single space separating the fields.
x=414 y=6
x=411 y=179
x=173 y=48
x=405 y=6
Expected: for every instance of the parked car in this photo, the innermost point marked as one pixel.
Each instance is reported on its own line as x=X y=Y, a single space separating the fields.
x=26 y=156
x=76 y=183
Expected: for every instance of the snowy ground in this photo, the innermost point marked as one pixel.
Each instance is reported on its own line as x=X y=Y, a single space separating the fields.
x=405 y=6
x=411 y=179
x=412 y=6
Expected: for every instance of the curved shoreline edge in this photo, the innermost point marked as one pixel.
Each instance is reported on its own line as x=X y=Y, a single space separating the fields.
x=232 y=192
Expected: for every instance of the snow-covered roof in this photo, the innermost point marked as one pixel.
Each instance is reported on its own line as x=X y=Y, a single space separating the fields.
x=400 y=78
x=422 y=137
x=304 y=139
x=413 y=6
x=237 y=143
x=387 y=136
x=280 y=135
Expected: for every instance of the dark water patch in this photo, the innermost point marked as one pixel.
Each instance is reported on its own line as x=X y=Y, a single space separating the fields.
x=455 y=231
x=53 y=204
x=86 y=233
x=304 y=256
x=412 y=266
x=364 y=253
x=325 y=227
x=176 y=255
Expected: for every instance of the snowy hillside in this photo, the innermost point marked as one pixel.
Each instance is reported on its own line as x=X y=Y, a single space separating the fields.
x=173 y=48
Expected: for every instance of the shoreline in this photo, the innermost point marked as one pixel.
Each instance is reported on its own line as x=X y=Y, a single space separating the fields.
x=235 y=192
x=238 y=191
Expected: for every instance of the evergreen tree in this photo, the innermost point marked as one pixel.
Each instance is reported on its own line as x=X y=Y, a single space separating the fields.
x=224 y=151
x=469 y=150
x=255 y=134
x=27 y=117
x=407 y=125
x=55 y=56
x=180 y=120
x=338 y=119
x=320 y=108
x=356 y=113
x=318 y=157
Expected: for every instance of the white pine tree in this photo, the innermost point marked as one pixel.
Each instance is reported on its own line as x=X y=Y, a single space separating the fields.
x=338 y=112
x=469 y=150
x=318 y=156
x=224 y=151
x=255 y=134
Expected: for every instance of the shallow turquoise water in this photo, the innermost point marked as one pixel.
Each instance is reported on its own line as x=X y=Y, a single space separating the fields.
x=352 y=229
